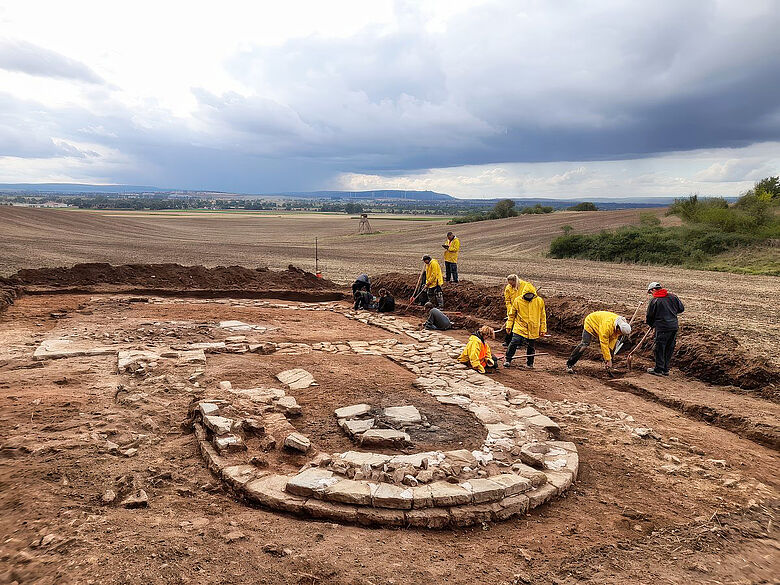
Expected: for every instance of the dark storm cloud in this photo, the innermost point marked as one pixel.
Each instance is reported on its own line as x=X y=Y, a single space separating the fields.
x=503 y=82
x=20 y=56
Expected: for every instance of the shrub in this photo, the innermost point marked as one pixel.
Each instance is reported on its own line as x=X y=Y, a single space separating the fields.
x=584 y=206
x=538 y=208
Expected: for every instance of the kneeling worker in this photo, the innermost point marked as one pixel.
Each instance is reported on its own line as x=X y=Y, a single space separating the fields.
x=529 y=323
x=386 y=302
x=436 y=319
x=477 y=352
x=607 y=328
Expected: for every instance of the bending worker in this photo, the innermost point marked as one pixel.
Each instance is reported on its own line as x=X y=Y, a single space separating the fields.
x=361 y=292
x=607 y=328
x=529 y=320
x=662 y=316
x=436 y=319
x=511 y=292
x=477 y=352
x=451 y=247
x=433 y=282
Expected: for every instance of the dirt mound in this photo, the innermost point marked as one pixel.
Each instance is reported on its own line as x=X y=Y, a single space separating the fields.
x=169 y=276
x=704 y=354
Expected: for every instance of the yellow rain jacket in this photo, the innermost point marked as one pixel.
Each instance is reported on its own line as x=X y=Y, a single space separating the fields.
x=476 y=354
x=510 y=294
x=451 y=253
x=601 y=324
x=529 y=318
x=433 y=274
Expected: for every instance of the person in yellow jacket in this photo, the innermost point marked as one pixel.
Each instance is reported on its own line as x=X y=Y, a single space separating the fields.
x=529 y=323
x=607 y=328
x=477 y=351
x=451 y=247
x=511 y=291
x=433 y=282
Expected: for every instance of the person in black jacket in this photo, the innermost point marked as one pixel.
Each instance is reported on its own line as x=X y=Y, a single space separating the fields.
x=361 y=292
x=662 y=316
x=386 y=302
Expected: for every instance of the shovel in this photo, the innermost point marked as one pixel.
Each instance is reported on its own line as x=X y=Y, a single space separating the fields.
x=638 y=345
x=620 y=342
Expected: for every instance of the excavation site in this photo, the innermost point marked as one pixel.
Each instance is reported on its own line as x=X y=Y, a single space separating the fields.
x=159 y=418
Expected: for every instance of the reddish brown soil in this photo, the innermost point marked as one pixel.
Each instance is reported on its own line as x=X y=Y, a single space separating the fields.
x=625 y=520
x=707 y=355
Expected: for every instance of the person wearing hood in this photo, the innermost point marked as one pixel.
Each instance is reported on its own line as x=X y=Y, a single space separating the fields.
x=386 y=302
x=361 y=292
x=529 y=323
x=433 y=282
x=451 y=248
x=477 y=354
x=511 y=291
x=662 y=314
x=607 y=328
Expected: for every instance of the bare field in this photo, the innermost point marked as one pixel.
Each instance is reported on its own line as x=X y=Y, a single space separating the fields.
x=744 y=305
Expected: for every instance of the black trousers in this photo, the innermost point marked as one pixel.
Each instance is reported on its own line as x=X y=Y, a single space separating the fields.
x=664 y=348
x=451 y=271
x=580 y=349
x=436 y=297
x=516 y=342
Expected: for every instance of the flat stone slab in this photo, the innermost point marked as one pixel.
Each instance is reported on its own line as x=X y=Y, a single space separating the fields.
x=240 y=326
x=131 y=359
x=359 y=458
x=193 y=356
x=392 y=496
x=353 y=411
x=311 y=480
x=53 y=349
x=208 y=408
x=296 y=379
x=219 y=425
x=297 y=442
x=288 y=405
x=354 y=427
x=449 y=494
x=259 y=395
x=270 y=491
x=402 y=415
x=384 y=438
x=229 y=444
x=348 y=491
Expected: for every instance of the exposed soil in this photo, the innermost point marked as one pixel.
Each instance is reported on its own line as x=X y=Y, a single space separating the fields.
x=635 y=514
x=710 y=356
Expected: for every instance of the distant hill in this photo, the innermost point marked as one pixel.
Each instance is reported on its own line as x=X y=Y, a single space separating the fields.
x=70 y=188
x=368 y=195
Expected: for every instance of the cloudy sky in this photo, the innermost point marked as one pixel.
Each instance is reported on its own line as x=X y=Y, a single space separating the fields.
x=591 y=98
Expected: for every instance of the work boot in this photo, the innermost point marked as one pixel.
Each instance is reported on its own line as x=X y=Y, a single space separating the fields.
x=507 y=364
x=654 y=372
x=529 y=366
x=569 y=369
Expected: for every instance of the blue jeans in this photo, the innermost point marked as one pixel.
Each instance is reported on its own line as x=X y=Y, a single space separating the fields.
x=451 y=271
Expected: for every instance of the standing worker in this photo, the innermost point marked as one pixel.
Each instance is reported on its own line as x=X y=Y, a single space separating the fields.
x=477 y=352
x=529 y=320
x=433 y=282
x=451 y=247
x=511 y=292
x=607 y=328
x=662 y=316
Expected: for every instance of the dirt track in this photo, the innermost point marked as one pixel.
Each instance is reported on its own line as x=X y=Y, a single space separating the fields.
x=696 y=505
x=745 y=306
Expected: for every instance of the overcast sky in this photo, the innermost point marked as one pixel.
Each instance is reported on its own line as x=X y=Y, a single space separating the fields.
x=518 y=98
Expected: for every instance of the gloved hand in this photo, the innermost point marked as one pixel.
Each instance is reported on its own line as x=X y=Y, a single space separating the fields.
x=490 y=362
x=481 y=370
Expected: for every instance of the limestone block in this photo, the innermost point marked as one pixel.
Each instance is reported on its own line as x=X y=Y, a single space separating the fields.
x=348 y=491
x=296 y=379
x=131 y=360
x=269 y=491
x=63 y=348
x=422 y=497
x=355 y=427
x=513 y=484
x=560 y=479
x=288 y=406
x=353 y=411
x=360 y=458
x=208 y=408
x=435 y=518
x=384 y=438
x=535 y=476
x=449 y=494
x=380 y=516
x=540 y=495
x=219 y=425
x=229 y=444
x=311 y=481
x=516 y=505
x=543 y=422
x=402 y=415
x=297 y=442
x=237 y=475
x=195 y=356
x=484 y=490
x=462 y=457
x=473 y=514
x=330 y=510
x=392 y=496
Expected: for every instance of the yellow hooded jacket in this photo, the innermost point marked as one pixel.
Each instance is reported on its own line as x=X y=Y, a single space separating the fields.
x=510 y=294
x=476 y=353
x=451 y=253
x=529 y=318
x=601 y=324
x=433 y=274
